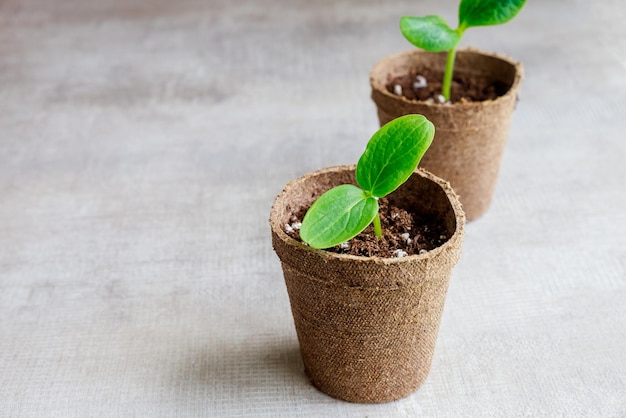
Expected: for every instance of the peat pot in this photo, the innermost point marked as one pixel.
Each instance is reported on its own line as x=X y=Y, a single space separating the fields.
x=367 y=326
x=469 y=136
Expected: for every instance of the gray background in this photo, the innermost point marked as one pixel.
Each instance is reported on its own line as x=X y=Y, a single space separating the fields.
x=142 y=144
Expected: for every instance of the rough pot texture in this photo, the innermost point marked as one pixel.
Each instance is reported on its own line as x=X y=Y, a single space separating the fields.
x=367 y=326
x=469 y=137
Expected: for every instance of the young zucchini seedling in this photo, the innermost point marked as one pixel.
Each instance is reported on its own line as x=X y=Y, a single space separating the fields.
x=390 y=157
x=433 y=34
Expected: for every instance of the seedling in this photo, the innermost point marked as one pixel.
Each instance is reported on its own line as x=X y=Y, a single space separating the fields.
x=390 y=157
x=433 y=34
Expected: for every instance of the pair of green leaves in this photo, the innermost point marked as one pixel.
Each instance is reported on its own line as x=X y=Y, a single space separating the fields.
x=390 y=157
x=432 y=33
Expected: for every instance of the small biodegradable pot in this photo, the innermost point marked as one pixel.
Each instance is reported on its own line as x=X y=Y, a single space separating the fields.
x=367 y=326
x=469 y=137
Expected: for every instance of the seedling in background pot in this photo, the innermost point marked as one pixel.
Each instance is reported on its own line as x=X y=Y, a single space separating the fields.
x=390 y=158
x=433 y=34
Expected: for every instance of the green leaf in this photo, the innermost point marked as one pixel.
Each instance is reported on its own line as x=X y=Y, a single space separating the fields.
x=430 y=33
x=393 y=154
x=338 y=215
x=487 y=12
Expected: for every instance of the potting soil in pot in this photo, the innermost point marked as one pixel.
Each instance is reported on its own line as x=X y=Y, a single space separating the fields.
x=404 y=233
x=423 y=84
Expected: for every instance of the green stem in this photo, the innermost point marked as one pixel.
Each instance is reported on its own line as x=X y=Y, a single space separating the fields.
x=447 y=76
x=378 y=231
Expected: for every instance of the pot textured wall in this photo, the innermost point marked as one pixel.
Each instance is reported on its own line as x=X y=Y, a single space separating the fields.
x=367 y=326
x=469 y=137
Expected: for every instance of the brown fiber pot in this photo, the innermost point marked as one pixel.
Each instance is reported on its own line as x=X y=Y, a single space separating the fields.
x=367 y=326
x=469 y=137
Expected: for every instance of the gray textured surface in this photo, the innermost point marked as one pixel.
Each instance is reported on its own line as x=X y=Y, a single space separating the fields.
x=141 y=146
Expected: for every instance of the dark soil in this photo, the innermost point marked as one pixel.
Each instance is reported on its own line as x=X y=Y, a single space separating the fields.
x=403 y=234
x=465 y=87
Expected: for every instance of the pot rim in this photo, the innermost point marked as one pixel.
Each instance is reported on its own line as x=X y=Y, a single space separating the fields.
x=517 y=65
x=453 y=199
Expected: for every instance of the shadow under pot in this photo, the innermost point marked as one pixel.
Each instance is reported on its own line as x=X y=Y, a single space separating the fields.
x=367 y=326
x=470 y=135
